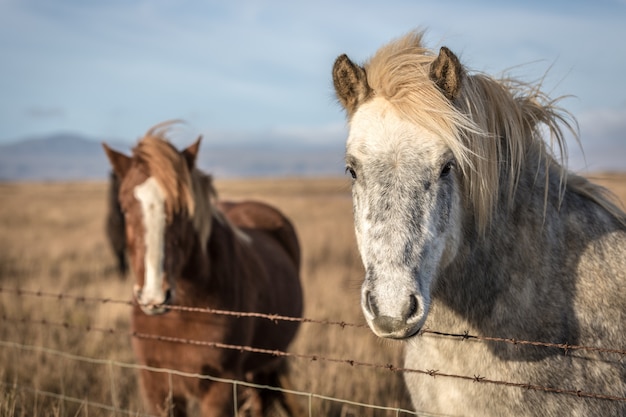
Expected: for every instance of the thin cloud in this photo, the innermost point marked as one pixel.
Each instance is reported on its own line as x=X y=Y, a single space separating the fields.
x=602 y=141
x=606 y=126
x=45 y=112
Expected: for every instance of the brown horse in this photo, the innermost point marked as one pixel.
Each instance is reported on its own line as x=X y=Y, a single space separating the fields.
x=116 y=225
x=186 y=249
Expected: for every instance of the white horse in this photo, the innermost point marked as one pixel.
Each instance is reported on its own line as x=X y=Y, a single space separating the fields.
x=466 y=222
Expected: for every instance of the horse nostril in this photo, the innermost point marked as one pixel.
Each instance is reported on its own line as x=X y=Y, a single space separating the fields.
x=168 y=296
x=370 y=302
x=413 y=306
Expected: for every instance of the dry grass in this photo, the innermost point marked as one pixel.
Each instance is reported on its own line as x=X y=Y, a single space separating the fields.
x=52 y=239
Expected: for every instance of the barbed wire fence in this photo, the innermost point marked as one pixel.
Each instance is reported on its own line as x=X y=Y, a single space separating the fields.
x=114 y=407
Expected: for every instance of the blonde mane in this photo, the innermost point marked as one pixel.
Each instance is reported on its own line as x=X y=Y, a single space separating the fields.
x=192 y=192
x=493 y=128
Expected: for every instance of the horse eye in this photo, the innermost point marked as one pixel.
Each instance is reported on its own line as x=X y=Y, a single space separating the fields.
x=352 y=172
x=445 y=171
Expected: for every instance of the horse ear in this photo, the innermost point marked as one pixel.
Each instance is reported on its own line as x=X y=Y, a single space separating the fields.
x=447 y=72
x=119 y=161
x=191 y=153
x=350 y=83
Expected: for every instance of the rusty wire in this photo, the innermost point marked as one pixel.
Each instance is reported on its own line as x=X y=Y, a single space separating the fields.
x=565 y=347
x=390 y=367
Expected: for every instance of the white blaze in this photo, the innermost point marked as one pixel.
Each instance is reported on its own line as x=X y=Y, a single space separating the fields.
x=152 y=202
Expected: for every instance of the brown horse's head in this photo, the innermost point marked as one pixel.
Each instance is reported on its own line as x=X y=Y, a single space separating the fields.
x=166 y=204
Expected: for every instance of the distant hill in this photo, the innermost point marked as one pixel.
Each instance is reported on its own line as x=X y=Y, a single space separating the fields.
x=67 y=156
x=54 y=157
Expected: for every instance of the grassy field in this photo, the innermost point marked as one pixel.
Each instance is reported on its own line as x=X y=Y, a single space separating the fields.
x=56 y=360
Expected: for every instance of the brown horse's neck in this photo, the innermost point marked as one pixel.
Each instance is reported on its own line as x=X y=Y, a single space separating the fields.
x=209 y=270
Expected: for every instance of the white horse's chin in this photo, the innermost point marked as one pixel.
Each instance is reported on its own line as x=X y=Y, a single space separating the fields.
x=392 y=328
x=403 y=334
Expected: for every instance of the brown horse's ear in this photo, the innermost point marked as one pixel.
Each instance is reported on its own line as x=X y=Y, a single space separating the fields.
x=191 y=153
x=119 y=161
x=350 y=83
x=447 y=72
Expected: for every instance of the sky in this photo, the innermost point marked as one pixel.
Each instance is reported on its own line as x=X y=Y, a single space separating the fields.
x=249 y=70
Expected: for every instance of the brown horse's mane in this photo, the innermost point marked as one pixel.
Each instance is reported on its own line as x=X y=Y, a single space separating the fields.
x=185 y=190
x=516 y=113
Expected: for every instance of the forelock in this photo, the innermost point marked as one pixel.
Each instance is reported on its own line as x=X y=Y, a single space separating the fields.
x=162 y=161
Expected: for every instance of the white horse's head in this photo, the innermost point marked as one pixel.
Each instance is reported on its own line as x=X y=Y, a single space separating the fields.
x=407 y=189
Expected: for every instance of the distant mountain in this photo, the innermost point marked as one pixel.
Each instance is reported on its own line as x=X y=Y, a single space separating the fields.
x=57 y=144
x=54 y=157
x=68 y=156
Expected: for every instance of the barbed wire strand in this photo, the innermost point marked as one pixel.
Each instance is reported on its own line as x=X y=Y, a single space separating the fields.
x=312 y=357
x=565 y=347
x=96 y=361
x=207 y=310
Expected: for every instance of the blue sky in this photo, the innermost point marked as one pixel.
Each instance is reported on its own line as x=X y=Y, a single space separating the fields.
x=236 y=70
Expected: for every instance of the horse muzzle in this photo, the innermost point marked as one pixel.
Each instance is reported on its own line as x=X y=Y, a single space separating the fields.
x=404 y=320
x=153 y=304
